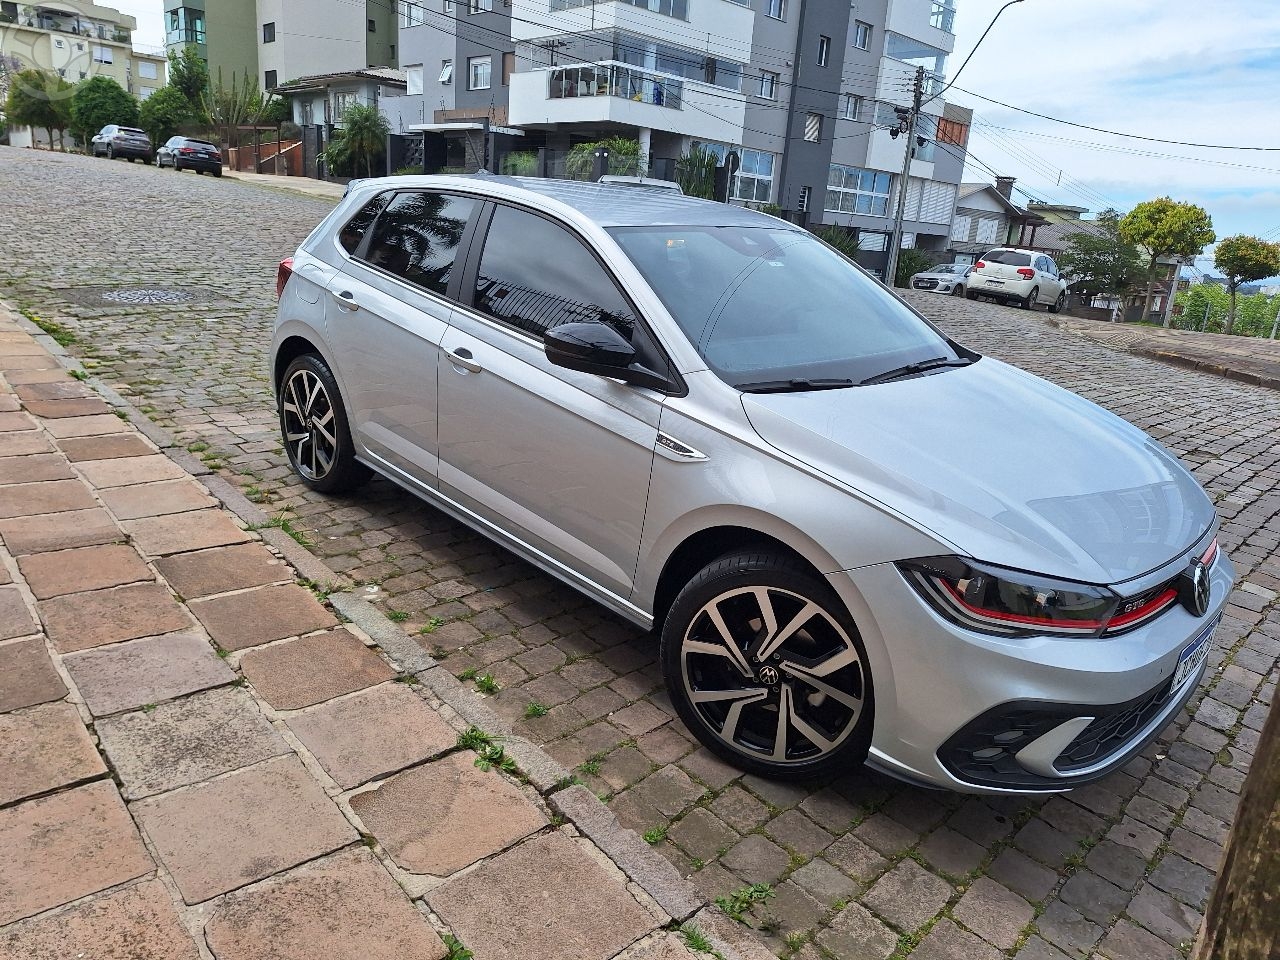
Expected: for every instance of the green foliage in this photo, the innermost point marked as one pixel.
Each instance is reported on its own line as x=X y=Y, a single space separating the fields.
x=99 y=101
x=740 y=901
x=1243 y=259
x=1101 y=261
x=523 y=163
x=533 y=709
x=473 y=738
x=486 y=684
x=911 y=262
x=624 y=158
x=696 y=173
x=276 y=111
x=189 y=75
x=39 y=98
x=1166 y=228
x=656 y=835
x=843 y=240
x=456 y=950
x=1254 y=314
x=407 y=172
x=162 y=113
x=361 y=140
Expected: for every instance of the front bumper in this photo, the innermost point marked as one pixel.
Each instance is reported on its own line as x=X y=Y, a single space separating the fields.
x=943 y=694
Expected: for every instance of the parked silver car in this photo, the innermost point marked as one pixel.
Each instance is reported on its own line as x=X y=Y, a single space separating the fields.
x=857 y=538
x=945 y=278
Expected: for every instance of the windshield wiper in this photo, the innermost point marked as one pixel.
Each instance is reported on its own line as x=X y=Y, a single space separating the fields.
x=911 y=369
x=796 y=385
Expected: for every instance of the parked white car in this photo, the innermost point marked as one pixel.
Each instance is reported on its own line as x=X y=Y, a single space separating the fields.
x=946 y=278
x=1024 y=277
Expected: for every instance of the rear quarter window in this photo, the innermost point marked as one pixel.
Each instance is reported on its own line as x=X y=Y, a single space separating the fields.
x=354 y=230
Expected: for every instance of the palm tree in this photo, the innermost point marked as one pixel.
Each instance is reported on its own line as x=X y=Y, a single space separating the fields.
x=364 y=135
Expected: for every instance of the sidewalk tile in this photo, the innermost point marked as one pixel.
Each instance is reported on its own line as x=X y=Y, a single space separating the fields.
x=50 y=496
x=40 y=466
x=306 y=671
x=155 y=499
x=84 y=568
x=29 y=362
x=66 y=846
x=40 y=369
x=324 y=909
x=259 y=616
x=23 y=443
x=27 y=676
x=123 y=471
x=11 y=422
x=180 y=532
x=223 y=834
x=94 y=426
x=15 y=618
x=186 y=741
x=56 y=409
x=83 y=620
x=59 y=531
x=44 y=748
x=22 y=348
x=136 y=923
x=8 y=402
x=547 y=899
x=373 y=733
x=64 y=389
x=221 y=569
x=446 y=815
x=145 y=671
x=105 y=448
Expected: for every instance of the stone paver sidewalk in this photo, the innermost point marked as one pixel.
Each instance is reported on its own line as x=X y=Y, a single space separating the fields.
x=200 y=758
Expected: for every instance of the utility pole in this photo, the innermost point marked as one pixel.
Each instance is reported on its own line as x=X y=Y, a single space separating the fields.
x=907 y=125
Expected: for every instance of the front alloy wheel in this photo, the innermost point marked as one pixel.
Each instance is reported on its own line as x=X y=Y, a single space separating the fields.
x=766 y=668
x=314 y=426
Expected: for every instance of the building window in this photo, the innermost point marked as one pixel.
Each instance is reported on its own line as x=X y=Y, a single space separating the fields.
x=479 y=72
x=448 y=7
x=813 y=127
x=411 y=14
x=446 y=72
x=861 y=35
x=960 y=228
x=776 y=9
x=943 y=15
x=851 y=107
x=768 y=85
x=59 y=44
x=269 y=80
x=508 y=67
x=373 y=26
x=413 y=80
x=824 y=51
x=755 y=176
x=855 y=190
x=988 y=230
x=102 y=55
x=479 y=6
x=677 y=9
x=915 y=53
x=147 y=71
x=806 y=194
x=269 y=32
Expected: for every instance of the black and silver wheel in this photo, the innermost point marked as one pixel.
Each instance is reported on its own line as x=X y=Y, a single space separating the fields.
x=957 y=290
x=766 y=668
x=1059 y=303
x=1032 y=299
x=314 y=426
x=111 y=152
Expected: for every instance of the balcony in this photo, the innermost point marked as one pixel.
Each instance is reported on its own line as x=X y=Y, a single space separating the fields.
x=614 y=80
x=61 y=22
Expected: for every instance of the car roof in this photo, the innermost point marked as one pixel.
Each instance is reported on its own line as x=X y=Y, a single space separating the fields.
x=608 y=205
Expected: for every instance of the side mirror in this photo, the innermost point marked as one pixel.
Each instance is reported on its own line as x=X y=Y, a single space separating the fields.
x=596 y=347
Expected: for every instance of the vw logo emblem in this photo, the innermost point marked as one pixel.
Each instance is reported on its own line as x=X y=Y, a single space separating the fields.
x=769 y=676
x=1195 y=589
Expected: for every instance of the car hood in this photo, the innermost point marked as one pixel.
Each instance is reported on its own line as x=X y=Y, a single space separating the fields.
x=1005 y=466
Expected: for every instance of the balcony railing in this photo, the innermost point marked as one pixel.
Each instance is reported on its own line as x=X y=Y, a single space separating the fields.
x=184 y=37
x=614 y=80
x=75 y=27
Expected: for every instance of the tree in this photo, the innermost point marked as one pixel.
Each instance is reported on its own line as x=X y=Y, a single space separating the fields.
x=163 y=113
x=1243 y=259
x=38 y=98
x=99 y=101
x=1166 y=228
x=1099 y=261
x=910 y=262
x=696 y=173
x=364 y=136
x=188 y=74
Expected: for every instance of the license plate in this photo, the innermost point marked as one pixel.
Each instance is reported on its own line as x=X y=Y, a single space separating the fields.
x=995 y=283
x=1192 y=656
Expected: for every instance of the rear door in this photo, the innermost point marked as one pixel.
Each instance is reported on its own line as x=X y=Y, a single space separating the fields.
x=386 y=313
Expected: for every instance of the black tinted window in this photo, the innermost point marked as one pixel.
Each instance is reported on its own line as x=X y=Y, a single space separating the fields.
x=535 y=275
x=351 y=235
x=1011 y=258
x=417 y=237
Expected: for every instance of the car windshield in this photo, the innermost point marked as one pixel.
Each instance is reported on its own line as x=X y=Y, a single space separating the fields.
x=1010 y=257
x=767 y=305
x=948 y=268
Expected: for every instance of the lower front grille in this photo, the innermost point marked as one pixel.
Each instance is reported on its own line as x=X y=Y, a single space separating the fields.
x=1108 y=735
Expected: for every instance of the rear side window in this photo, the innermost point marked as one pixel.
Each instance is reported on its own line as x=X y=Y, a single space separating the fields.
x=536 y=275
x=351 y=234
x=1011 y=258
x=417 y=237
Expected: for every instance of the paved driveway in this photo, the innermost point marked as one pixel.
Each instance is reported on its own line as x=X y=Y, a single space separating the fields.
x=861 y=867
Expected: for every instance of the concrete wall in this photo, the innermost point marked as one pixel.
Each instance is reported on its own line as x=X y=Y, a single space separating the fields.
x=312 y=37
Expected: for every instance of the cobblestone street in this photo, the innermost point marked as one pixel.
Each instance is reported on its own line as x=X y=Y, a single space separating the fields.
x=863 y=867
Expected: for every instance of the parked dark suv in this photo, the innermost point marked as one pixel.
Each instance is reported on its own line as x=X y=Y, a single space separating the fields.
x=184 y=153
x=114 y=141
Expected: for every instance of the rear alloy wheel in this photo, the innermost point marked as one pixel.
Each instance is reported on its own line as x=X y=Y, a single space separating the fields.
x=766 y=668
x=111 y=152
x=314 y=426
x=1059 y=303
x=1032 y=299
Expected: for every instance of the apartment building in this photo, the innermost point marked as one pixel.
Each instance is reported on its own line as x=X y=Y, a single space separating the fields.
x=277 y=41
x=77 y=40
x=803 y=91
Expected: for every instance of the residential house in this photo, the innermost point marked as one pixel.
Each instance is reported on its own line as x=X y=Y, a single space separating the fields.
x=319 y=102
x=985 y=217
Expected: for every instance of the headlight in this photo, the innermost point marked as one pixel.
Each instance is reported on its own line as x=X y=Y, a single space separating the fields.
x=1009 y=603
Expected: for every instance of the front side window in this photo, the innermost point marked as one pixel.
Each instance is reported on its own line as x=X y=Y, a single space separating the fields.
x=479 y=73
x=767 y=305
x=535 y=275
x=353 y=232
x=417 y=236
x=857 y=190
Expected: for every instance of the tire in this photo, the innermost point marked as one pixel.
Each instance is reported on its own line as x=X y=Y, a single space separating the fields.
x=199 y=173
x=308 y=403
x=1059 y=303
x=218 y=172
x=696 y=660
x=111 y=152
x=1030 y=302
x=970 y=296
x=957 y=291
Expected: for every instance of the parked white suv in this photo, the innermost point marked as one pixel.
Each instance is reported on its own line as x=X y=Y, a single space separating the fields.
x=1024 y=277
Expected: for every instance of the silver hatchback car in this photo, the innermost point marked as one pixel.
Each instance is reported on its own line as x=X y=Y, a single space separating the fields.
x=857 y=539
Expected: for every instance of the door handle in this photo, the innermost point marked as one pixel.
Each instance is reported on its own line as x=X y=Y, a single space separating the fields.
x=461 y=357
x=345 y=299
